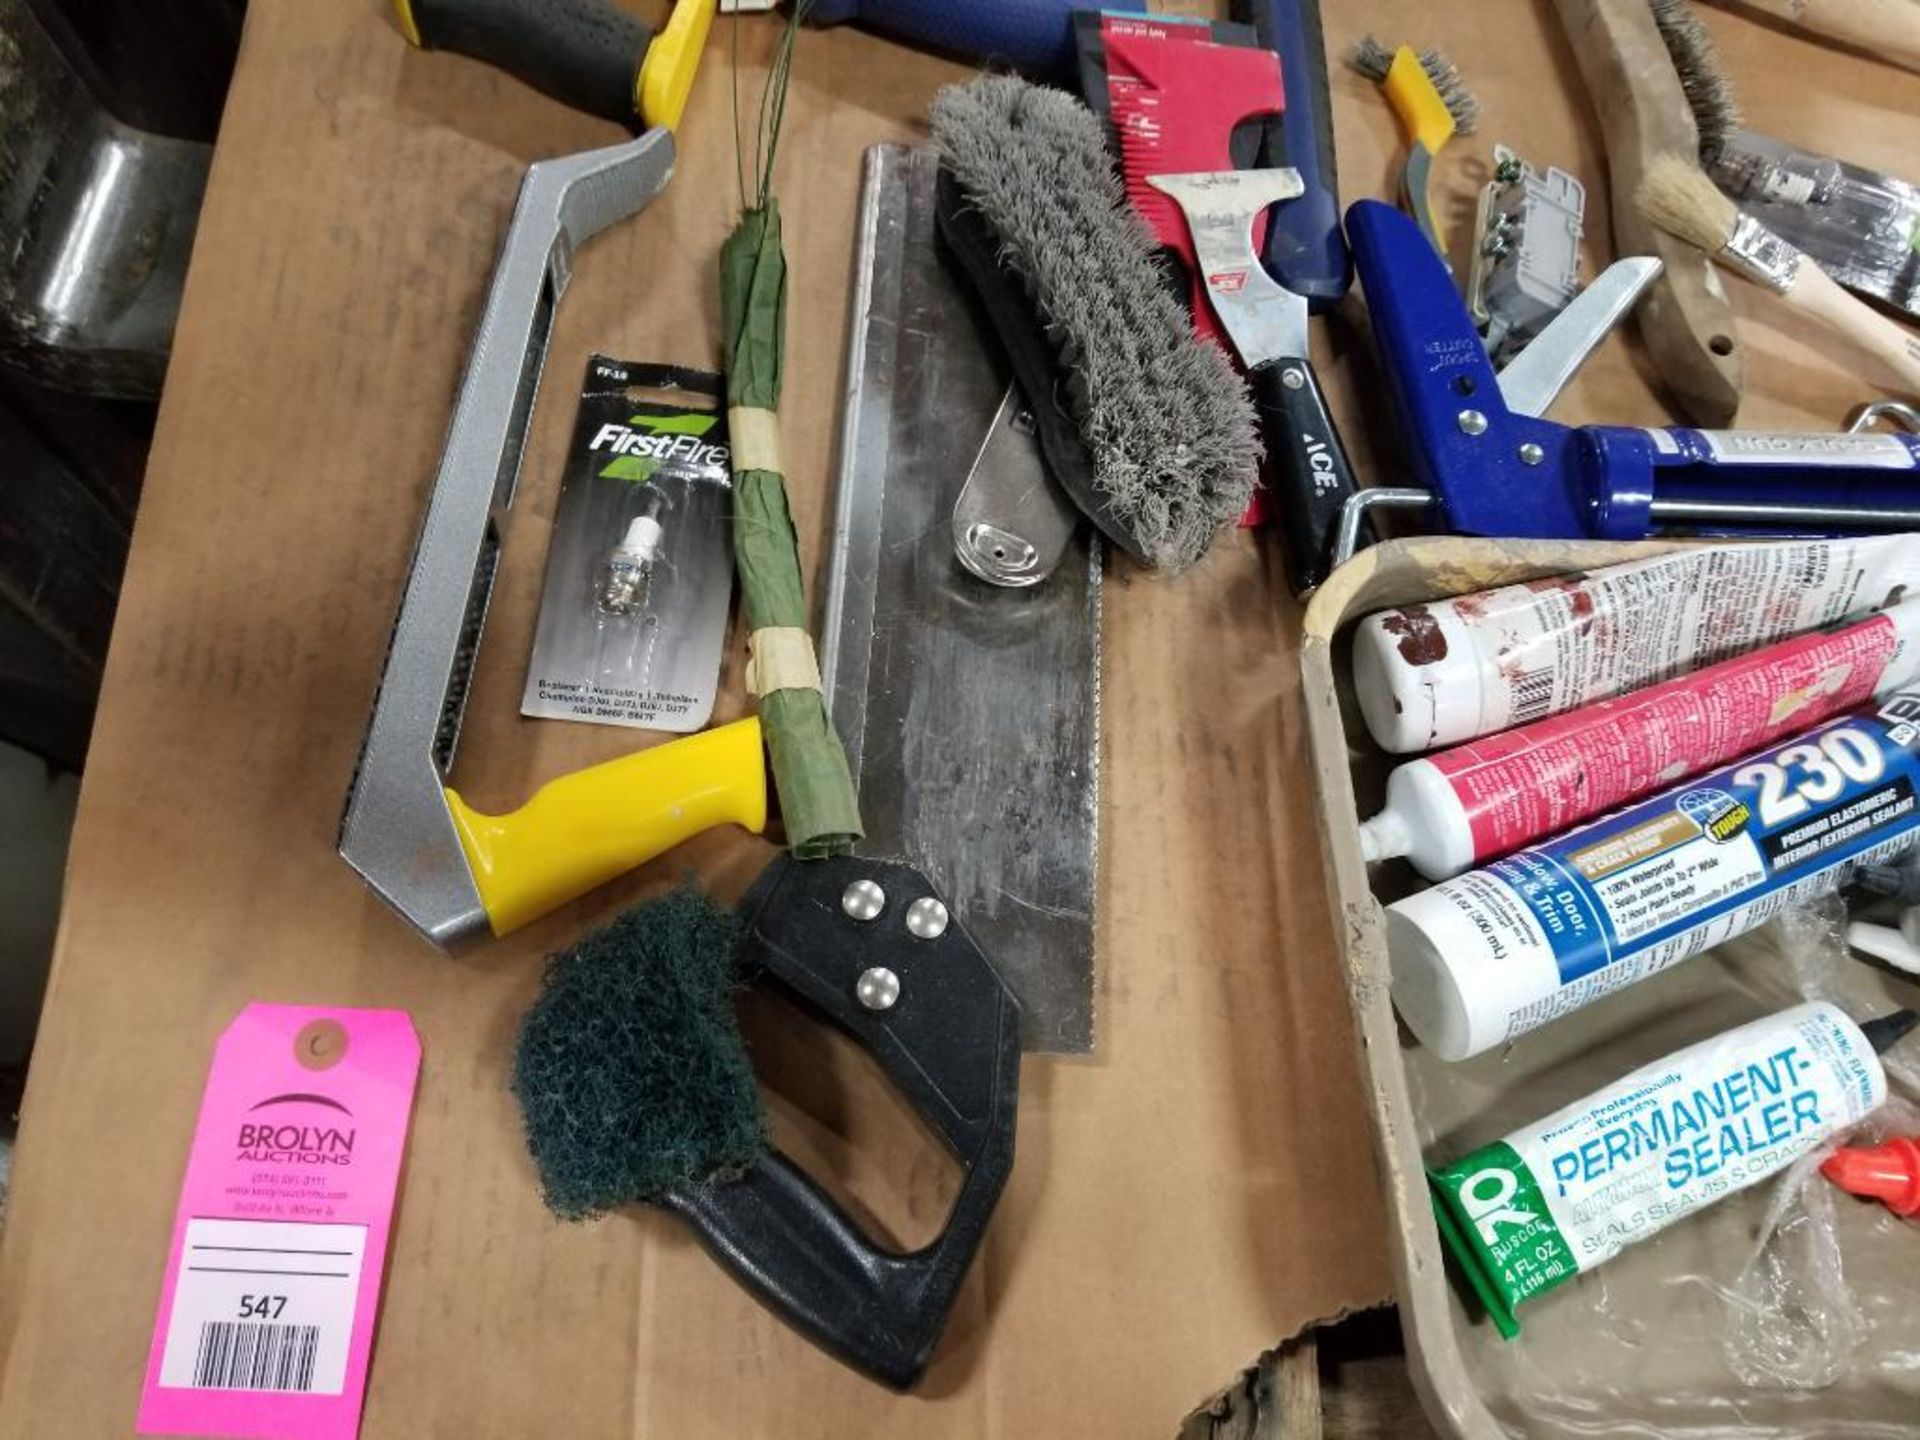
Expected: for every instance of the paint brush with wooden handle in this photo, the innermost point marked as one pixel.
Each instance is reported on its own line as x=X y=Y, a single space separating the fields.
x=1886 y=29
x=1677 y=196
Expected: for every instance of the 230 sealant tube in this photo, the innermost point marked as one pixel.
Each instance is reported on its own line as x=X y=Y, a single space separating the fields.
x=1571 y=1191
x=1436 y=674
x=1484 y=958
x=1488 y=797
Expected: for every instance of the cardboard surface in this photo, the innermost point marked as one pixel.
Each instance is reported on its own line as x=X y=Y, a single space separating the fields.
x=1198 y=1190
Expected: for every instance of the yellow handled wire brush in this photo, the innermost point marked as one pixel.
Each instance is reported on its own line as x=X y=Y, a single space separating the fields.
x=1433 y=103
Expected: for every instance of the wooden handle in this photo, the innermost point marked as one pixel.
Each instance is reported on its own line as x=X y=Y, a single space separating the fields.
x=1686 y=319
x=1886 y=29
x=1895 y=347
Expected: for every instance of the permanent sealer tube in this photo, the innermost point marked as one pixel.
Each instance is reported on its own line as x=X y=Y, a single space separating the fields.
x=1487 y=957
x=1573 y=1190
x=1451 y=811
x=1436 y=674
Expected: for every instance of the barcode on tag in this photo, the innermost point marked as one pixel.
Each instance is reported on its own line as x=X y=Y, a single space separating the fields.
x=264 y=1305
x=1532 y=692
x=242 y=1355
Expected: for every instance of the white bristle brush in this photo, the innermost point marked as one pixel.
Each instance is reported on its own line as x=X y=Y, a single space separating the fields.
x=1679 y=198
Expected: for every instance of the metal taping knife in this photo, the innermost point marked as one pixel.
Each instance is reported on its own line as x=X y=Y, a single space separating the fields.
x=451 y=871
x=1490 y=466
x=1267 y=323
x=970 y=712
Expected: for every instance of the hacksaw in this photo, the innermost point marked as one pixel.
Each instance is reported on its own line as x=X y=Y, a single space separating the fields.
x=969 y=711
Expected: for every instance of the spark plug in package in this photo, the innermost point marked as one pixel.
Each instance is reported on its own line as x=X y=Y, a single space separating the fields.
x=633 y=613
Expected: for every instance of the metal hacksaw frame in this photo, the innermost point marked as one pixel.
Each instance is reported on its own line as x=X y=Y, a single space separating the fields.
x=398 y=831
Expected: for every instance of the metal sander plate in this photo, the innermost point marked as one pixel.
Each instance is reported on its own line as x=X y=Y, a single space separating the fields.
x=970 y=712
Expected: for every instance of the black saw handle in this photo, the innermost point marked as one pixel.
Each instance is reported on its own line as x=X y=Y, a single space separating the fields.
x=1307 y=466
x=949 y=1042
x=795 y=1250
x=584 y=53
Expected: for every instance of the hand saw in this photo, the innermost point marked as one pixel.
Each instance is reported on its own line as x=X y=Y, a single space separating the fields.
x=453 y=872
x=969 y=711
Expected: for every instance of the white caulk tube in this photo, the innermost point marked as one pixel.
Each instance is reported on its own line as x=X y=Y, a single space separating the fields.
x=1489 y=797
x=1571 y=1191
x=1436 y=674
x=1484 y=958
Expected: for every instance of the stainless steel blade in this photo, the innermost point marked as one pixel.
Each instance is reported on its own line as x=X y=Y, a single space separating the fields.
x=970 y=712
x=1534 y=378
x=397 y=831
x=1264 y=320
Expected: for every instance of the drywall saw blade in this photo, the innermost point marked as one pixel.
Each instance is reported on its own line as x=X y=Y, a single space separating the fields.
x=970 y=711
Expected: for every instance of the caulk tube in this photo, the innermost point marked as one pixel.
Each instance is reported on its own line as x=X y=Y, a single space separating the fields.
x=1451 y=811
x=1568 y=1193
x=1479 y=960
x=1436 y=674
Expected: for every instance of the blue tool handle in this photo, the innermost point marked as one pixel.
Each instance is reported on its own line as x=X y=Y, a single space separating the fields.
x=1305 y=249
x=1031 y=35
x=1743 y=482
x=1490 y=471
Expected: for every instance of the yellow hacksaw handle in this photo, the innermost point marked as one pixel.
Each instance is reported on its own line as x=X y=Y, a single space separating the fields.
x=583 y=829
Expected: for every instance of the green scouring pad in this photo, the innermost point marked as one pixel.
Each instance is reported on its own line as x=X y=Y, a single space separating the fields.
x=631 y=1072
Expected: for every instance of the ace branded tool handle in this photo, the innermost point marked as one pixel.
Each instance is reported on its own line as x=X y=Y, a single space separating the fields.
x=1031 y=35
x=580 y=831
x=1304 y=249
x=585 y=53
x=1311 y=476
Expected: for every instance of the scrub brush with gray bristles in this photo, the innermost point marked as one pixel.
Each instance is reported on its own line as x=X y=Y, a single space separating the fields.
x=1146 y=427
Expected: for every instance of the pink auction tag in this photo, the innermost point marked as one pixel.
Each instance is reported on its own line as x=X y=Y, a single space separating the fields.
x=273 y=1282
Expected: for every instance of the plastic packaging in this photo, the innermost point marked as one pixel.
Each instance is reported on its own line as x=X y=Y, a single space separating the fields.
x=1451 y=670
x=1453 y=810
x=1481 y=959
x=1571 y=1191
x=633 y=611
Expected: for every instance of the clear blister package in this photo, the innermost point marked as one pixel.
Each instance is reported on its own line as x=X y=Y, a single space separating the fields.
x=633 y=612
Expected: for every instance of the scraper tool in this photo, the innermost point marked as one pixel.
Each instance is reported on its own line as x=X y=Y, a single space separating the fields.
x=1310 y=473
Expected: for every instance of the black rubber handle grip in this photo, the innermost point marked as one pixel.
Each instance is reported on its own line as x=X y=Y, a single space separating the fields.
x=782 y=1237
x=584 y=53
x=1307 y=467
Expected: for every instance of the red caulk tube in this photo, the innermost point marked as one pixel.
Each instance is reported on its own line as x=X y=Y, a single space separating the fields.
x=1889 y=1173
x=1451 y=811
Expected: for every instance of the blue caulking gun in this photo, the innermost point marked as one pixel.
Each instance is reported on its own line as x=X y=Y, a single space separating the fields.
x=1488 y=464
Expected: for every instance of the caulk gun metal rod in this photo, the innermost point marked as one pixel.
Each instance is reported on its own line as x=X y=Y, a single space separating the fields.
x=1846 y=518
